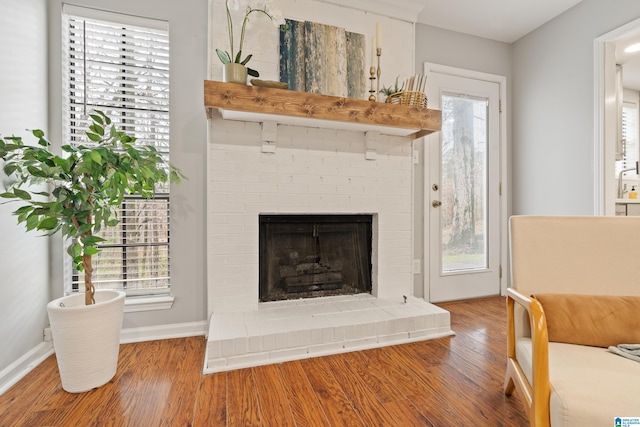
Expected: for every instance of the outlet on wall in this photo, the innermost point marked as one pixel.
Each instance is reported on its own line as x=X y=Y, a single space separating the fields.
x=46 y=335
x=416 y=266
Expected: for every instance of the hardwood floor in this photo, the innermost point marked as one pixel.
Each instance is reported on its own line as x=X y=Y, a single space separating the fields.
x=453 y=381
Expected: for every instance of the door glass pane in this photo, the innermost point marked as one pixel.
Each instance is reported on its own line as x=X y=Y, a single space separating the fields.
x=463 y=213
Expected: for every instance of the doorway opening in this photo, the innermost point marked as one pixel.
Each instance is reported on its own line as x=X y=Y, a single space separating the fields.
x=607 y=126
x=465 y=212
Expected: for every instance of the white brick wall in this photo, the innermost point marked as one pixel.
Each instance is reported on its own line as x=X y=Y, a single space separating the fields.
x=312 y=171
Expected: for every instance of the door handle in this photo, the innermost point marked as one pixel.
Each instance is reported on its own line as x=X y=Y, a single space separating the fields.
x=436 y=203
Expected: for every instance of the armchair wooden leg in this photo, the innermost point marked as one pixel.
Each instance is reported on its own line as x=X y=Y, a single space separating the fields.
x=509 y=384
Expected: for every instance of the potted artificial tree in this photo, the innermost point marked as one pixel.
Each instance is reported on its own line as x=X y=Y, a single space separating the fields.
x=77 y=194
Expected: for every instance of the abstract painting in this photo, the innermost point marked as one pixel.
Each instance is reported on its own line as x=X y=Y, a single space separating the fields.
x=322 y=59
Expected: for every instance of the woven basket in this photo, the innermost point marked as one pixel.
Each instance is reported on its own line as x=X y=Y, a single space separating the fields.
x=413 y=99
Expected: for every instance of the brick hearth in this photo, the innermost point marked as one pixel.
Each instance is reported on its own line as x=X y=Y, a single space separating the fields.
x=296 y=329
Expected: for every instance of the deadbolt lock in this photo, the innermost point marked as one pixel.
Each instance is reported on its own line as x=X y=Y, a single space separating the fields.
x=435 y=187
x=436 y=203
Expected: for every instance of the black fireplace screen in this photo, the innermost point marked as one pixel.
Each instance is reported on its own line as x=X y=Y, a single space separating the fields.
x=306 y=256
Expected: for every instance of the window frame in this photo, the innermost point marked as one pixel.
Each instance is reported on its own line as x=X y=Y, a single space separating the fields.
x=630 y=135
x=154 y=122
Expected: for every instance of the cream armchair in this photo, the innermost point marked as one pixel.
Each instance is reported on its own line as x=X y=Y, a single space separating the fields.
x=564 y=383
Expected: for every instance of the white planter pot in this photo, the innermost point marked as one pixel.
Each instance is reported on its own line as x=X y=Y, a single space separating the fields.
x=86 y=338
x=234 y=73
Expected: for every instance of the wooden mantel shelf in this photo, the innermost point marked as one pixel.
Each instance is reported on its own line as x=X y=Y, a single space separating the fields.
x=253 y=103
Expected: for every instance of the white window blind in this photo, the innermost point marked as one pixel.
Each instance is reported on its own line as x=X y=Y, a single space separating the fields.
x=630 y=134
x=120 y=64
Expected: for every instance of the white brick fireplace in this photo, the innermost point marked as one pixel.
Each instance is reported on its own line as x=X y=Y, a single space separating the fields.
x=313 y=171
x=276 y=168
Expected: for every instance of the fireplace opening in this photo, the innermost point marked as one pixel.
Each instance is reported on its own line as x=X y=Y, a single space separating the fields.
x=308 y=256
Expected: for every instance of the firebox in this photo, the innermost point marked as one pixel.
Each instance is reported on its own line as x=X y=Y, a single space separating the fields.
x=307 y=256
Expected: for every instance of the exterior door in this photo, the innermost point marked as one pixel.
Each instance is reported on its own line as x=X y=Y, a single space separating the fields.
x=463 y=189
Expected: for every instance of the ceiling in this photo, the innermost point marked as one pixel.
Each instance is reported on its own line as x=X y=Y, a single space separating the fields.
x=509 y=20
x=502 y=20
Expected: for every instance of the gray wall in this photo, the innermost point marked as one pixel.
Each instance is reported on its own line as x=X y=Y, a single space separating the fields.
x=553 y=109
x=24 y=272
x=188 y=50
x=439 y=46
x=31 y=98
x=30 y=83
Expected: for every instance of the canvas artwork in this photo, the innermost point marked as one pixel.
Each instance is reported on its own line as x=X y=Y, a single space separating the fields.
x=322 y=59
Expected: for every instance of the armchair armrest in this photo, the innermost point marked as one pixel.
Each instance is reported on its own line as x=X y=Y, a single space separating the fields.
x=536 y=395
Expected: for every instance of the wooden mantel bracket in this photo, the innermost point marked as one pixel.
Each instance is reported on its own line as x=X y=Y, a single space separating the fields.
x=253 y=103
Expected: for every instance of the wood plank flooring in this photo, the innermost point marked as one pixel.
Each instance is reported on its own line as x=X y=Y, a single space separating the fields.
x=453 y=381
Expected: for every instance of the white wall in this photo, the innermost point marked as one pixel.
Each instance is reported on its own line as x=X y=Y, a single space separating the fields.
x=553 y=109
x=24 y=277
x=454 y=49
x=188 y=50
x=262 y=39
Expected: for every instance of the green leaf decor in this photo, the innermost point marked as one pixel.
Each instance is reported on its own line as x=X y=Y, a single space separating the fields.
x=84 y=186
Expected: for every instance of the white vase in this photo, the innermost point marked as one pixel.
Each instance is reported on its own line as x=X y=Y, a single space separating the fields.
x=234 y=73
x=86 y=338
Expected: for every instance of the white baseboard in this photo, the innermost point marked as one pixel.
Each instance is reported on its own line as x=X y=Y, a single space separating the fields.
x=21 y=367
x=25 y=364
x=161 y=332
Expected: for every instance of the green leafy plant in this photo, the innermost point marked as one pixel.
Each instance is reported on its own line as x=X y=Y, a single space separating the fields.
x=84 y=188
x=263 y=7
x=387 y=91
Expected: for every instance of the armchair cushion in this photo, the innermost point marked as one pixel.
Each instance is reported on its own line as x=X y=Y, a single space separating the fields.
x=593 y=320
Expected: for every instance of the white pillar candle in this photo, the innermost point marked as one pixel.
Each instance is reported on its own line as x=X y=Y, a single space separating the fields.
x=373 y=50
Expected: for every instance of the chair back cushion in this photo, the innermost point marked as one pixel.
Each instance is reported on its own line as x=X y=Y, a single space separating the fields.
x=588 y=255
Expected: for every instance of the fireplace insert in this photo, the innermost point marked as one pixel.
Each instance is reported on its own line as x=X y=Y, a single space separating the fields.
x=307 y=256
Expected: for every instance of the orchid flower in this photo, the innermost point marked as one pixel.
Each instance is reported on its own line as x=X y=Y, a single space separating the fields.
x=261 y=6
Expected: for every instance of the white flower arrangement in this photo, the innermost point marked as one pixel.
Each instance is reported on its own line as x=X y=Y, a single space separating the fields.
x=260 y=6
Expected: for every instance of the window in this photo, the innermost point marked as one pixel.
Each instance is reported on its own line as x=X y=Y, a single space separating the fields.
x=630 y=146
x=120 y=64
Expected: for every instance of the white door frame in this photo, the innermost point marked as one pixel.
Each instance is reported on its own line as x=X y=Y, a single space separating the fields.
x=605 y=117
x=504 y=172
